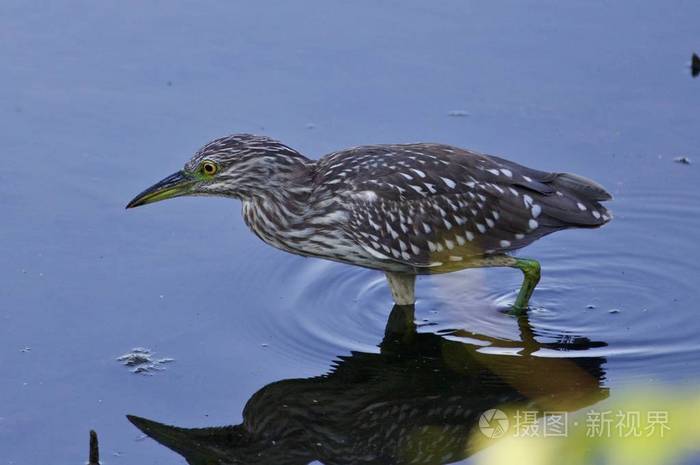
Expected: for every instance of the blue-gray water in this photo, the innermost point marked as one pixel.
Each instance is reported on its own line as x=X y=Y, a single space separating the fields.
x=100 y=99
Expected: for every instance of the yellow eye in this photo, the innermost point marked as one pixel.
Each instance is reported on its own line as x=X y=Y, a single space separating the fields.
x=208 y=167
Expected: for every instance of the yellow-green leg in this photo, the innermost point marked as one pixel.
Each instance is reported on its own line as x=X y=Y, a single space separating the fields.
x=531 y=276
x=529 y=267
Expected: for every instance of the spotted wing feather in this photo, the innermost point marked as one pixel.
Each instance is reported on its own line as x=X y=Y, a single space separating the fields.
x=431 y=205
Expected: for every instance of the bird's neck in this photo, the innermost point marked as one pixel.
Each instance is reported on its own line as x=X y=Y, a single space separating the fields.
x=279 y=212
x=284 y=207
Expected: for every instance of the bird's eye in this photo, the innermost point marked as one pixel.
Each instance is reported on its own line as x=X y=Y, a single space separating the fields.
x=209 y=168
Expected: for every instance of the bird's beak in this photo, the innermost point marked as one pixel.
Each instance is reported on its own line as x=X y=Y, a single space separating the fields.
x=175 y=185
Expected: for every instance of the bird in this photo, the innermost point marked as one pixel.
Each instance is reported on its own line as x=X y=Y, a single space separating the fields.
x=416 y=400
x=404 y=209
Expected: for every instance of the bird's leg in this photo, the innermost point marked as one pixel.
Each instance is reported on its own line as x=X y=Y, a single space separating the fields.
x=400 y=327
x=531 y=276
x=530 y=269
x=403 y=287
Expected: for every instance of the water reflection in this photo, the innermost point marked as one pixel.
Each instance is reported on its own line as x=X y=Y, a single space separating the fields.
x=416 y=401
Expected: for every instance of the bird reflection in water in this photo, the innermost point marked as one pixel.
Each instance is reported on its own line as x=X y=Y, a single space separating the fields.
x=417 y=401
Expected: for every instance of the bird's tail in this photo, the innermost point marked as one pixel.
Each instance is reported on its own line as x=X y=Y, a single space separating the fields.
x=576 y=201
x=586 y=188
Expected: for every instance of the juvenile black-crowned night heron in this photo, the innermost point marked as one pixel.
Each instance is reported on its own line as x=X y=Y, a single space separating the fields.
x=405 y=209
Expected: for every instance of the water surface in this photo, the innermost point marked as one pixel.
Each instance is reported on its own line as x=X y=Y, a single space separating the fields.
x=97 y=101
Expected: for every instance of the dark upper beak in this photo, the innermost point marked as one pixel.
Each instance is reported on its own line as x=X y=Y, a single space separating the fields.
x=175 y=185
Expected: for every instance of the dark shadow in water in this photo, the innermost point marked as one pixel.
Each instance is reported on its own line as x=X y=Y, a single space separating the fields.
x=695 y=65
x=417 y=401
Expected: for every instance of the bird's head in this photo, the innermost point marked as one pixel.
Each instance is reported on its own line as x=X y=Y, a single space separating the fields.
x=238 y=166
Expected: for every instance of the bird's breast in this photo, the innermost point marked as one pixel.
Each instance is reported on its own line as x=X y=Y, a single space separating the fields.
x=319 y=232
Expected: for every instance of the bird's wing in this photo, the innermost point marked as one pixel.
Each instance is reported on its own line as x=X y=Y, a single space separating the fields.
x=429 y=204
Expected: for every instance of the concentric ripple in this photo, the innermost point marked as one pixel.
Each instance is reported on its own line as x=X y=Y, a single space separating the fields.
x=625 y=286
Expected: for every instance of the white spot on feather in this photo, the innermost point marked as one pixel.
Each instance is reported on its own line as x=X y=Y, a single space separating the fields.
x=374 y=253
x=450 y=183
x=367 y=196
x=581 y=206
x=508 y=173
x=533 y=224
x=536 y=210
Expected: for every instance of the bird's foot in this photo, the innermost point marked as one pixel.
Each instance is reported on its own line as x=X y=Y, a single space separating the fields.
x=531 y=276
